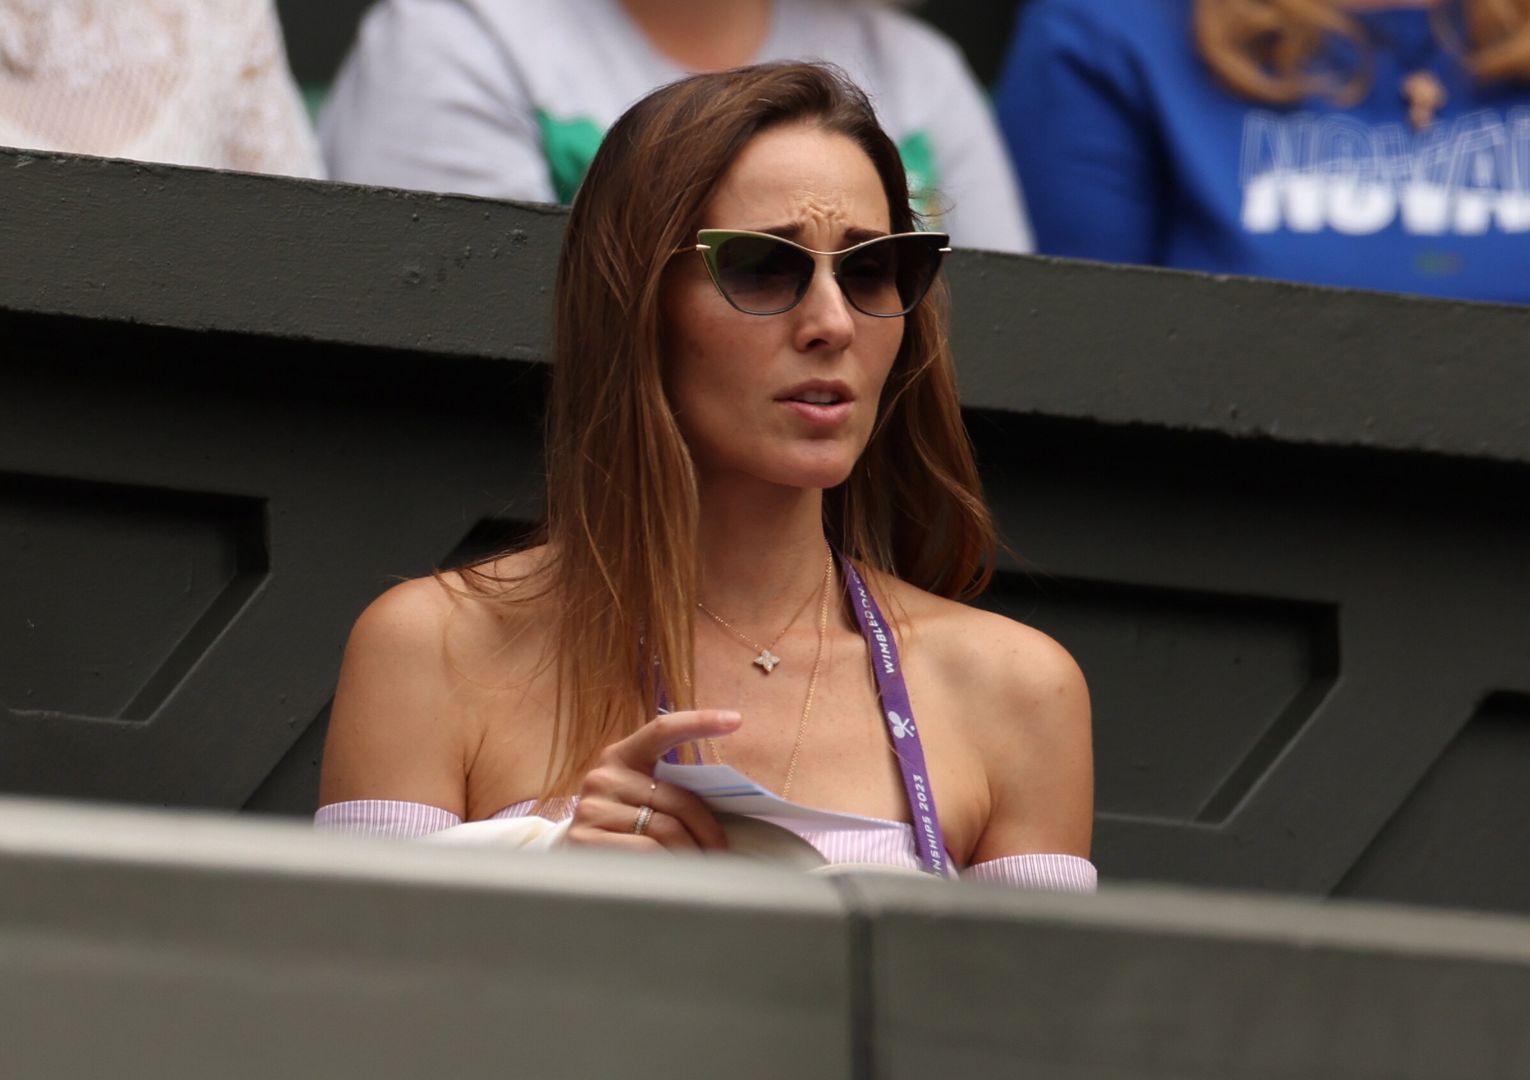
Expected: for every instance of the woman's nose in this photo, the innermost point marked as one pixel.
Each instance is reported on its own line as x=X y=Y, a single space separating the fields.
x=824 y=318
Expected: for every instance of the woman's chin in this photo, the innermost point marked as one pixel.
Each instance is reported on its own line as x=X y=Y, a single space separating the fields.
x=817 y=478
x=810 y=467
x=817 y=468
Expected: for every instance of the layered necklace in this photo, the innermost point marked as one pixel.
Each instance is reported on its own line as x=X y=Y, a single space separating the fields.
x=767 y=661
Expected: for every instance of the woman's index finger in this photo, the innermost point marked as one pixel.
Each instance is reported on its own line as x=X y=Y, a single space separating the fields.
x=662 y=734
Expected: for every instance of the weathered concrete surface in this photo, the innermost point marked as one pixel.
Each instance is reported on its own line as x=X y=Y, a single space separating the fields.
x=197 y=249
x=180 y=947
x=462 y=276
x=1291 y=363
x=1149 y=983
x=149 y=944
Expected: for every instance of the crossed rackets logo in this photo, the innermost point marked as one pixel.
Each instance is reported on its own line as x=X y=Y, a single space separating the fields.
x=901 y=728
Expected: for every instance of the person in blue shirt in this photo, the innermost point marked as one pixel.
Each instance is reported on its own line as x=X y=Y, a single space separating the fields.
x=1379 y=144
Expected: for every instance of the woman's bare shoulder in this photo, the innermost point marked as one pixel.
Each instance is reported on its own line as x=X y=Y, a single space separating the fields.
x=996 y=655
x=418 y=661
x=404 y=617
x=467 y=611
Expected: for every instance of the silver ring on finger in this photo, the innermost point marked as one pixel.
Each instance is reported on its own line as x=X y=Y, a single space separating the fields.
x=644 y=816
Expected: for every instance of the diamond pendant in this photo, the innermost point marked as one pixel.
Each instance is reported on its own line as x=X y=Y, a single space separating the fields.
x=767 y=660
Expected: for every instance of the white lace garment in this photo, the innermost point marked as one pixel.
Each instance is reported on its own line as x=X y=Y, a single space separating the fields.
x=189 y=82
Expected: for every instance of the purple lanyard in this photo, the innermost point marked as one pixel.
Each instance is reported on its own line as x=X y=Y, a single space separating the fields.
x=899 y=714
x=898 y=711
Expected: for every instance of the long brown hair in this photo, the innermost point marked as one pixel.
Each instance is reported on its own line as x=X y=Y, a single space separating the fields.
x=622 y=504
x=1273 y=51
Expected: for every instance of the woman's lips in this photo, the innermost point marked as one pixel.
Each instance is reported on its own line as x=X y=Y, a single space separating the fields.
x=819 y=415
x=822 y=403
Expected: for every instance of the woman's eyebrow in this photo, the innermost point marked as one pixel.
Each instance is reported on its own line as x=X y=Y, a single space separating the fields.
x=856 y=235
x=785 y=232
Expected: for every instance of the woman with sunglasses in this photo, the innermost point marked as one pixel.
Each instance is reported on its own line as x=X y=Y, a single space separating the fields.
x=762 y=514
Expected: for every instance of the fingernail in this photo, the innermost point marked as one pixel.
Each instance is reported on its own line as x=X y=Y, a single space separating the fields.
x=728 y=716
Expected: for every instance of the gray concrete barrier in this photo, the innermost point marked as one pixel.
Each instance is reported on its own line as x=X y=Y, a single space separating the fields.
x=151 y=944
x=179 y=946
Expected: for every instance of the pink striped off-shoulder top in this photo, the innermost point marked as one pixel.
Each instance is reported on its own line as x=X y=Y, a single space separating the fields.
x=887 y=847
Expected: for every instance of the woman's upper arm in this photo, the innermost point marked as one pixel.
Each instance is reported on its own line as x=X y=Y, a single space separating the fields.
x=392 y=732
x=1039 y=750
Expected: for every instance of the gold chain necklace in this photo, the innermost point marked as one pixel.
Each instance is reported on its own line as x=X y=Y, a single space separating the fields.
x=767 y=660
x=807 y=704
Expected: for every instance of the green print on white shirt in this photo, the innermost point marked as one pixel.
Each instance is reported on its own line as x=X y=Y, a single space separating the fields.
x=923 y=178
x=569 y=146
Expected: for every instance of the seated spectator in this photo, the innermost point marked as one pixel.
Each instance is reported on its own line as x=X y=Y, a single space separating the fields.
x=189 y=82
x=1379 y=144
x=510 y=99
x=755 y=448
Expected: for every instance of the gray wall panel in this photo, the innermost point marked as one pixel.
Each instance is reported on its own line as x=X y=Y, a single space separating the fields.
x=138 y=606
x=1373 y=546
x=1145 y=984
x=276 y=257
x=349 y=477
x=145 y=945
x=1292 y=363
x=1459 y=837
x=292 y=786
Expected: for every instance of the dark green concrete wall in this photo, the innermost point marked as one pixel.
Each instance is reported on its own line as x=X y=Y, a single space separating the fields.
x=1283 y=528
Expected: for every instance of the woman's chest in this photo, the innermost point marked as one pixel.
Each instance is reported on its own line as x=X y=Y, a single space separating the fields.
x=814 y=731
x=833 y=743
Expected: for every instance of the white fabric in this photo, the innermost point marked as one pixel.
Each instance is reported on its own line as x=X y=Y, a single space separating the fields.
x=882 y=850
x=457 y=95
x=189 y=82
x=1048 y=871
x=384 y=817
x=529 y=833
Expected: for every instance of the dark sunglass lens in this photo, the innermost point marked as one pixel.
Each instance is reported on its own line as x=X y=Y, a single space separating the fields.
x=761 y=274
x=918 y=267
x=891 y=276
x=869 y=276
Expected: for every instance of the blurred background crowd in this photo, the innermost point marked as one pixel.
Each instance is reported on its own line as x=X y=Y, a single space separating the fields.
x=1377 y=144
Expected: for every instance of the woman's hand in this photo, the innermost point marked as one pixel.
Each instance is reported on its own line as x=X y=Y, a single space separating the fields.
x=615 y=792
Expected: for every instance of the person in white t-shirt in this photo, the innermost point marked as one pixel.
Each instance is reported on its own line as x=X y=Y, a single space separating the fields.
x=188 y=82
x=510 y=99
